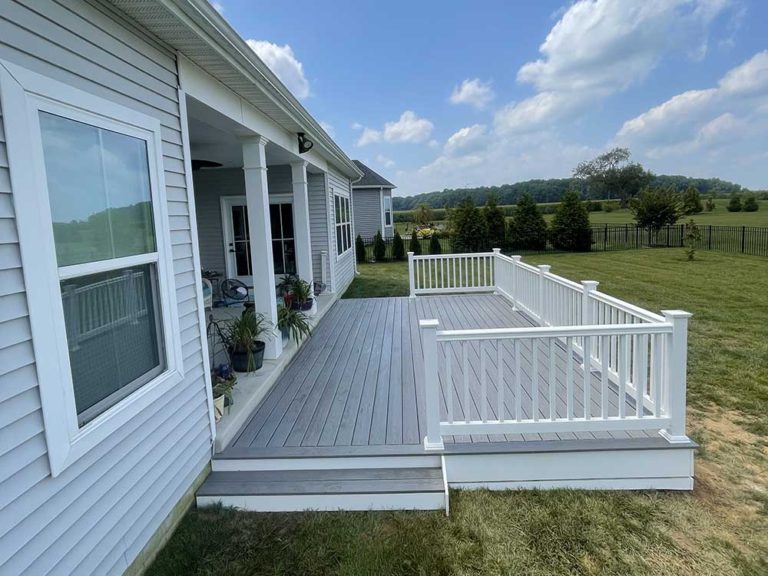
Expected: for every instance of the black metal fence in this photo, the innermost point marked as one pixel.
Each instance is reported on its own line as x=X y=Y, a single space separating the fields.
x=750 y=240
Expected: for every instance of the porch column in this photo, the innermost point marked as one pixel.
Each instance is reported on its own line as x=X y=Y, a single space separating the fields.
x=301 y=221
x=262 y=265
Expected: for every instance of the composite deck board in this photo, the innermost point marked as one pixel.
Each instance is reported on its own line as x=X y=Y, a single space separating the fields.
x=358 y=381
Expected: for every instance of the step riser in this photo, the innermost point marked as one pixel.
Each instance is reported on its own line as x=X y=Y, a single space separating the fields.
x=329 y=502
x=338 y=463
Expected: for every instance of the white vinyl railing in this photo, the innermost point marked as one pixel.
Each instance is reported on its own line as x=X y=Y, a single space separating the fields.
x=535 y=379
x=451 y=273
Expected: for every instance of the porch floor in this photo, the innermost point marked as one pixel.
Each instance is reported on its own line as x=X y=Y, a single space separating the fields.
x=357 y=382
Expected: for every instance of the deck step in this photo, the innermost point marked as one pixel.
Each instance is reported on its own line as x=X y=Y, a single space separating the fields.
x=339 y=489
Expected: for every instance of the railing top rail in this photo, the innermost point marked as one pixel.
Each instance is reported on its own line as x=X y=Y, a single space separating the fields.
x=554 y=332
x=564 y=282
x=641 y=313
x=452 y=255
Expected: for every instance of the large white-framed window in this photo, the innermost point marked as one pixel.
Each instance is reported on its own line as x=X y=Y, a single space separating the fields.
x=96 y=252
x=343 y=224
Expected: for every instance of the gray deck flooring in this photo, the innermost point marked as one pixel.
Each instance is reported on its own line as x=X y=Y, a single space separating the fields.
x=358 y=380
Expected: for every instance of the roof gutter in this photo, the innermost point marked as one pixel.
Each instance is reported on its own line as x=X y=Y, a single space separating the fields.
x=201 y=17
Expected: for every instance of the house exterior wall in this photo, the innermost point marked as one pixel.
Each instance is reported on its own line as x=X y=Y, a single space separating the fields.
x=369 y=212
x=318 y=224
x=344 y=264
x=97 y=515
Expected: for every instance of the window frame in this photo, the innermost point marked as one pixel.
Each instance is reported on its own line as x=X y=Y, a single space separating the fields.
x=387 y=210
x=24 y=94
x=344 y=225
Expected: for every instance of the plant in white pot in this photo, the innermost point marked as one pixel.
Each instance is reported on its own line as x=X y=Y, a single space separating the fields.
x=241 y=336
x=293 y=323
x=222 y=393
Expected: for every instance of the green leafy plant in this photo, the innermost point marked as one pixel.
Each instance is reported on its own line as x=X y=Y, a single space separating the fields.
x=692 y=238
x=469 y=228
x=415 y=244
x=691 y=201
x=301 y=291
x=224 y=386
x=527 y=228
x=379 y=247
x=360 y=249
x=710 y=205
x=495 y=223
x=293 y=322
x=655 y=208
x=398 y=247
x=750 y=203
x=570 y=229
x=242 y=333
x=434 y=245
x=734 y=203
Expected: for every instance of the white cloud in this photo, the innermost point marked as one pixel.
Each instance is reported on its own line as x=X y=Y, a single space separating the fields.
x=282 y=61
x=384 y=161
x=713 y=131
x=599 y=48
x=465 y=138
x=473 y=92
x=433 y=143
x=408 y=128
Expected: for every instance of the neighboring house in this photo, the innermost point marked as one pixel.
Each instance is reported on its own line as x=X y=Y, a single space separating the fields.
x=372 y=195
x=106 y=420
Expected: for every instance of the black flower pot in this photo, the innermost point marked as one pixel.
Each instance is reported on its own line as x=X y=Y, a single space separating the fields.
x=240 y=358
x=304 y=307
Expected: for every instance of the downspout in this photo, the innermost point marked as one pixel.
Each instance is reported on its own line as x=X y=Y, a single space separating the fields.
x=352 y=207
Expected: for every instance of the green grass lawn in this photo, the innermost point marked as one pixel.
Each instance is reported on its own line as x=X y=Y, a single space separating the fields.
x=720 y=528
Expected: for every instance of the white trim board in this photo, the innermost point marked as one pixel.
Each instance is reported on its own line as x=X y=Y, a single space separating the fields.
x=330 y=502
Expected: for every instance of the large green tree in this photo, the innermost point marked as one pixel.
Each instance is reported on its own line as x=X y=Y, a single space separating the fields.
x=612 y=175
x=691 y=201
x=495 y=222
x=468 y=227
x=570 y=230
x=655 y=208
x=527 y=228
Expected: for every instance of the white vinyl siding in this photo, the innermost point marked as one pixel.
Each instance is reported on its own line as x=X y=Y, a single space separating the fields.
x=318 y=224
x=367 y=211
x=344 y=269
x=102 y=510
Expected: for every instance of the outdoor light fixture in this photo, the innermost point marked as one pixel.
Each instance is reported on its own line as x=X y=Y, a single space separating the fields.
x=305 y=144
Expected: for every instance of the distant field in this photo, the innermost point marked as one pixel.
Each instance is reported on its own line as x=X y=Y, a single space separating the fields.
x=718 y=217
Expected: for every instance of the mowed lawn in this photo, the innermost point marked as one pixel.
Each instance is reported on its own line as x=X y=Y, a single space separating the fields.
x=721 y=528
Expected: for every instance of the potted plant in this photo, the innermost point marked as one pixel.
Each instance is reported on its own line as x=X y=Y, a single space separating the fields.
x=293 y=323
x=301 y=292
x=241 y=336
x=222 y=393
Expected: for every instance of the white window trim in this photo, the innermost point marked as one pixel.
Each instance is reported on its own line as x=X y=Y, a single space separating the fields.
x=22 y=94
x=342 y=194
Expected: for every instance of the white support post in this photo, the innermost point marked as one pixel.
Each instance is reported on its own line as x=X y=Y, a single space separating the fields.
x=301 y=233
x=542 y=312
x=262 y=264
x=515 y=265
x=411 y=279
x=433 y=440
x=676 y=368
x=496 y=254
x=324 y=268
x=588 y=286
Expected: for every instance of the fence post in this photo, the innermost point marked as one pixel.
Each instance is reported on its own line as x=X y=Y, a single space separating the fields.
x=605 y=238
x=682 y=235
x=709 y=240
x=588 y=286
x=496 y=254
x=515 y=264
x=433 y=440
x=743 y=238
x=543 y=271
x=411 y=279
x=677 y=364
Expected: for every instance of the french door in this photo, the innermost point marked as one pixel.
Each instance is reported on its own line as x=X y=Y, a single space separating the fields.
x=237 y=238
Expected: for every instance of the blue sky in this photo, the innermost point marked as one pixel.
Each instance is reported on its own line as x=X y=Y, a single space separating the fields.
x=446 y=94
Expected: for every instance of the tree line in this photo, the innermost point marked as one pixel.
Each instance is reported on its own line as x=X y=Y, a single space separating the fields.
x=609 y=176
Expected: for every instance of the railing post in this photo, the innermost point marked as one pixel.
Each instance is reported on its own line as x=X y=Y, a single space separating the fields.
x=515 y=264
x=411 y=279
x=496 y=254
x=433 y=440
x=676 y=368
x=543 y=271
x=588 y=286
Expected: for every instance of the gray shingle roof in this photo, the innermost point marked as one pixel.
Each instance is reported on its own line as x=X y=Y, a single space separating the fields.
x=371 y=178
